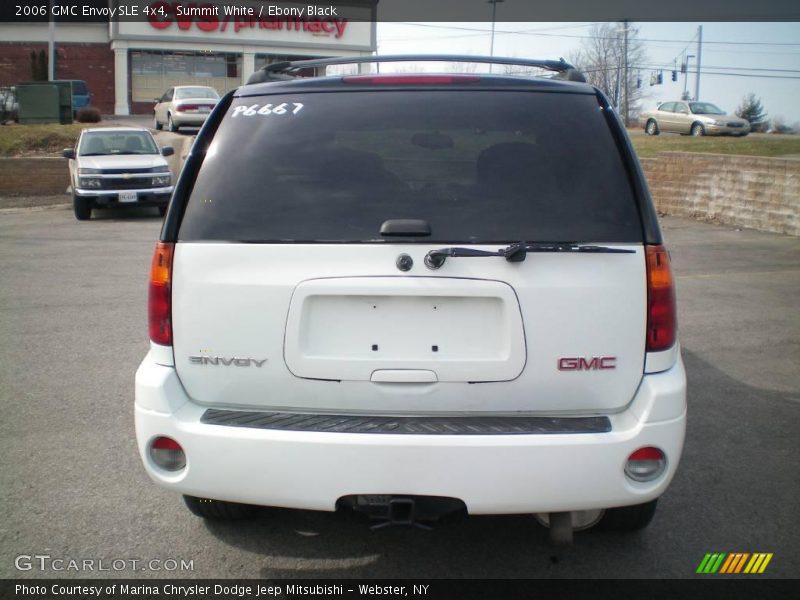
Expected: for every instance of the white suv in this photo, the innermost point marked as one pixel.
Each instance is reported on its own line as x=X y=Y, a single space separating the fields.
x=413 y=294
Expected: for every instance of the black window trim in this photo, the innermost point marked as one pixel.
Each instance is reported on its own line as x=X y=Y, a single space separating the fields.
x=651 y=232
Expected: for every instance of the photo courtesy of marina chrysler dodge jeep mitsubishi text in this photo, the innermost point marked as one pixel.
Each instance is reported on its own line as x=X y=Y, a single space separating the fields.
x=412 y=294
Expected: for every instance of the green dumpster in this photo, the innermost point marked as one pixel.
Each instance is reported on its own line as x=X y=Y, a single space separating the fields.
x=45 y=102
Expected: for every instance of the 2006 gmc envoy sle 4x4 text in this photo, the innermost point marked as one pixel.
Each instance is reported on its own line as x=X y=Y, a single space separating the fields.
x=411 y=294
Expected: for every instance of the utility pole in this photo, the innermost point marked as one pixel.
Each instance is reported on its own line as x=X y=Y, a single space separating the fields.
x=491 y=45
x=625 y=84
x=699 y=58
x=51 y=36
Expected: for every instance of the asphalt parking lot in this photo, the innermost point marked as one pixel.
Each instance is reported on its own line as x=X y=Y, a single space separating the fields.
x=73 y=322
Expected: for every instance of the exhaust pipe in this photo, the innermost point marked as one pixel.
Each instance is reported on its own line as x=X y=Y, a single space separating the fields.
x=560 y=528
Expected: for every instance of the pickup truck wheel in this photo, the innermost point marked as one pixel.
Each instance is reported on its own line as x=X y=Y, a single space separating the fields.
x=651 y=128
x=219 y=510
x=628 y=518
x=82 y=207
x=698 y=130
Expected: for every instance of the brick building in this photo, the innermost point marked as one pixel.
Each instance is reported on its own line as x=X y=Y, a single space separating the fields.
x=126 y=64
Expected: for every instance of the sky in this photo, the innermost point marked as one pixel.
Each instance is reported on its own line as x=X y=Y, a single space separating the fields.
x=740 y=50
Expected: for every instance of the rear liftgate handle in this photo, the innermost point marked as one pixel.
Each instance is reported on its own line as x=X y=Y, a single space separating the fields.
x=403 y=376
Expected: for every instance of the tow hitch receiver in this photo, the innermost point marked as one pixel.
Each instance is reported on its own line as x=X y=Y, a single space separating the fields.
x=417 y=511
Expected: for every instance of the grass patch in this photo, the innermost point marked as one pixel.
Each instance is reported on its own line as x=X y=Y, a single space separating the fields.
x=32 y=140
x=648 y=146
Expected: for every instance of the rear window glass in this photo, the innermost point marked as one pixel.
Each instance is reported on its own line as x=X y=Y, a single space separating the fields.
x=195 y=92
x=478 y=166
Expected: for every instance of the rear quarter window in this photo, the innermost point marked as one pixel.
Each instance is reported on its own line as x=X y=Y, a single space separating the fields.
x=478 y=166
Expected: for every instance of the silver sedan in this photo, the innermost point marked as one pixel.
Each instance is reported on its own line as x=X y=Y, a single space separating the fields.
x=692 y=118
x=184 y=105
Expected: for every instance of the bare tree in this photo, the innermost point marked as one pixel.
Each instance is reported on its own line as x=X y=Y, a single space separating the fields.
x=602 y=58
x=779 y=125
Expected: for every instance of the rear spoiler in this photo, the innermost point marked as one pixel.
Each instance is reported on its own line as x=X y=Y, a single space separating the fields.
x=281 y=71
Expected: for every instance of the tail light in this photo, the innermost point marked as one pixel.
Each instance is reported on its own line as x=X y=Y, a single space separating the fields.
x=159 y=305
x=410 y=79
x=646 y=464
x=662 y=323
x=167 y=454
x=182 y=107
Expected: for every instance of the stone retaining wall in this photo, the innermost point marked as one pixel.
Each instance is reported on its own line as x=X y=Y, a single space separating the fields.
x=35 y=176
x=748 y=191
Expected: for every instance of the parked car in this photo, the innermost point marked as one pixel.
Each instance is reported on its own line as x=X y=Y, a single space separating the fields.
x=81 y=96
x=411 y=294
x=118 y=166
x=692 y=118
x=184 y=105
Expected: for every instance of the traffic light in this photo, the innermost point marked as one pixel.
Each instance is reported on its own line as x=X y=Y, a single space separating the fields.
x=683 y=67
x=659 y=78
x=674 y=75
x=652 y=79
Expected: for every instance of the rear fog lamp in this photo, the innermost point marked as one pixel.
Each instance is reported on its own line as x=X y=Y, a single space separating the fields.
x=646 y=464
x=167 y=454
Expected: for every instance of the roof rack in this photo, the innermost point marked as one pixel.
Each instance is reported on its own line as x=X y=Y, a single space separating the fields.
x=281 y=71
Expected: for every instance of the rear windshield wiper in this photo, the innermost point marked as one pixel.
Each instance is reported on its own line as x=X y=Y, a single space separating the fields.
x=517 y=252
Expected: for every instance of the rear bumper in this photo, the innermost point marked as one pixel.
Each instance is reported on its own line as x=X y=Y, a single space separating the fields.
x=492 y=474
x=191 y=119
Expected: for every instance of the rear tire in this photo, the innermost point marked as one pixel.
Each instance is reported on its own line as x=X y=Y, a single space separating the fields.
x=171 y=124
x=697 y=130
x=628 y=518
x=219 y=510
x=82 y=207
x=651 y=128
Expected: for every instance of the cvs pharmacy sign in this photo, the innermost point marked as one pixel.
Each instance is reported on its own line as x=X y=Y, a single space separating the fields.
x=210 y=18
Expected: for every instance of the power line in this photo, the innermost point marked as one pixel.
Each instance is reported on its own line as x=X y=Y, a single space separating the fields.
x=567 y=35
x=667 y=66
x=481 y=32
x=650 y=67
x=749 y=75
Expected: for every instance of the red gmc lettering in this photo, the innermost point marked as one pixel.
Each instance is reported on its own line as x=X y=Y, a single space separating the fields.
x=582 y=364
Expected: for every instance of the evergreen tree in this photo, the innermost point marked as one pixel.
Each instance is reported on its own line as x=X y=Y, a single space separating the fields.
x=752 y=110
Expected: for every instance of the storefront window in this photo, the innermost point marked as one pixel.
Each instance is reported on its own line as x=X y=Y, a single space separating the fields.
x=147 y=63
x=179 y=64
x=155 y=71
x=267 y=59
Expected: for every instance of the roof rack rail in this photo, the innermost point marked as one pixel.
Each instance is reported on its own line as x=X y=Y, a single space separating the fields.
x=281 y=71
